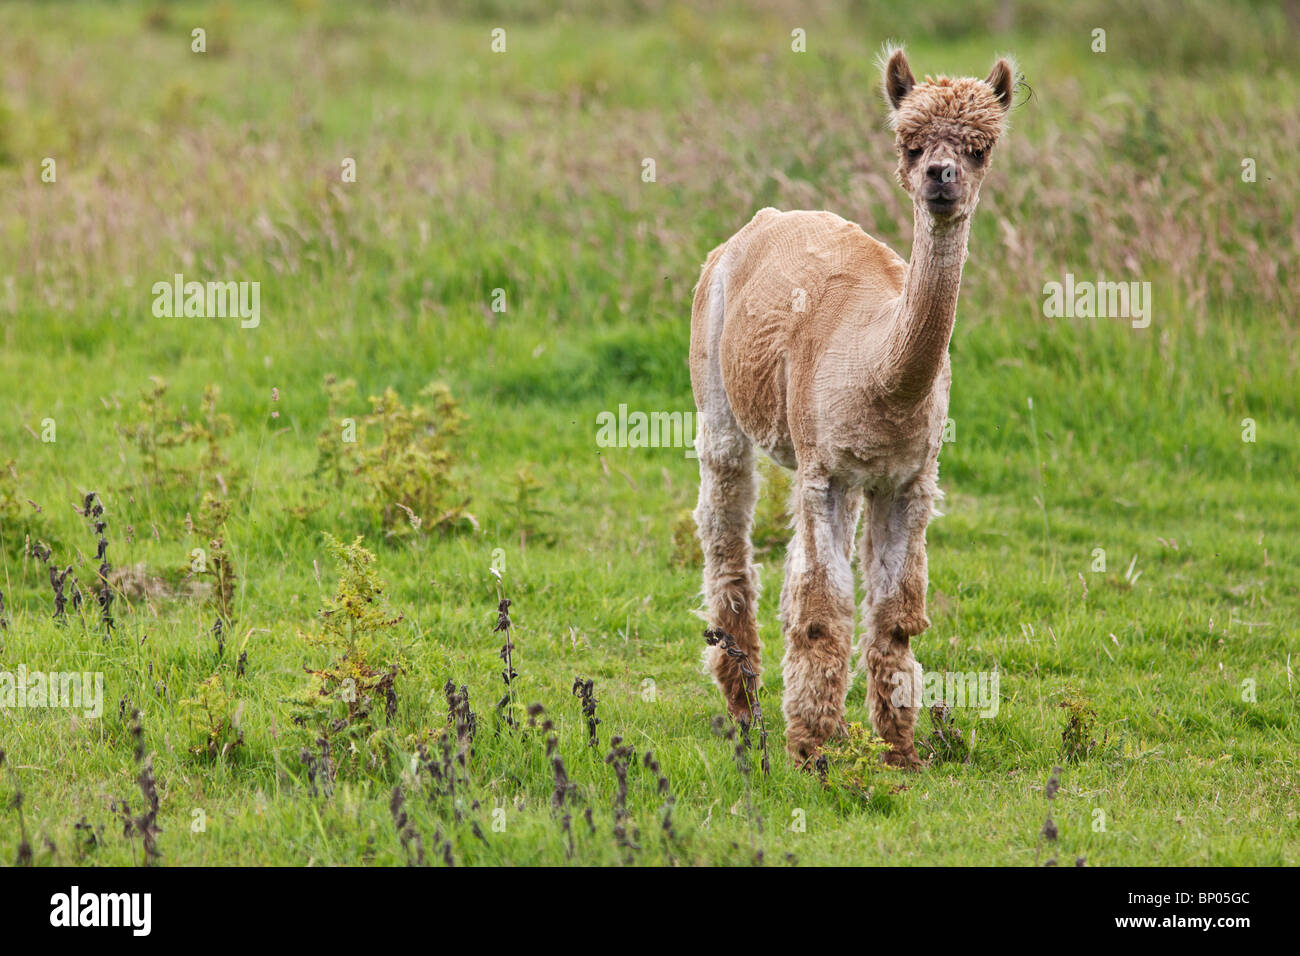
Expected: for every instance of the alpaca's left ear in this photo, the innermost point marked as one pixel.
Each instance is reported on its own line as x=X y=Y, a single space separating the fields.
x=1003 y=80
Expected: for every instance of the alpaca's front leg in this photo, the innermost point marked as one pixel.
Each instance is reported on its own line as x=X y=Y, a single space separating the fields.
x=892 y=555
x=728 y=491
x=817 y=614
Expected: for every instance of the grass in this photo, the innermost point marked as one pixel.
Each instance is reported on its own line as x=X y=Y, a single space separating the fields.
x=522 y=172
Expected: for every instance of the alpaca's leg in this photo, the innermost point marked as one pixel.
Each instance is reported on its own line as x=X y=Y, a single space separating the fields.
x=892 y=555
x=817 y=613
x=728 y=491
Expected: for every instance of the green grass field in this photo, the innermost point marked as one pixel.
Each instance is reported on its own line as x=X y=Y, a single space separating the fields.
x=501 y=238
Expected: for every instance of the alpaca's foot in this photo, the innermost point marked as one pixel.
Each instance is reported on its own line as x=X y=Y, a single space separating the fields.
x=804 y=742
x=736 y=691
x=904 y=758
x=894 y=695
x=739 y=709
x=804 y=751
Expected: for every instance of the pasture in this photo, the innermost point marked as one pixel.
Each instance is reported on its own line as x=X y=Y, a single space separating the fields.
x=468 y=260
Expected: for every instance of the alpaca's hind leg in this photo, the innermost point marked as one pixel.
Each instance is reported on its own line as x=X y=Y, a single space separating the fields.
x=817 y=613
x=728 y=491
x=892 y=556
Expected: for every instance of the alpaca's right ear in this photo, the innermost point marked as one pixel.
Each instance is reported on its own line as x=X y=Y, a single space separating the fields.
x=898 y=78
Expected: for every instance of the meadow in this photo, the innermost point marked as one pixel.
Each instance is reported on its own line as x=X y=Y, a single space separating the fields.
x=465 y=256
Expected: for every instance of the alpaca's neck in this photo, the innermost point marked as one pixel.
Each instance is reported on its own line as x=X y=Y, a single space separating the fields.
x=927 y=308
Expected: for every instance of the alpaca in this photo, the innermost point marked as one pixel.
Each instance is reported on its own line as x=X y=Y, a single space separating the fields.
x=821 y=346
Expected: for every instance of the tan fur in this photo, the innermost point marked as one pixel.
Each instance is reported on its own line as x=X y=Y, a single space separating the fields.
x=823 y=347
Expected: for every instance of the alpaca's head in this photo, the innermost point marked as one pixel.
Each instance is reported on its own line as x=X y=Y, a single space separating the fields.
x=944 y=131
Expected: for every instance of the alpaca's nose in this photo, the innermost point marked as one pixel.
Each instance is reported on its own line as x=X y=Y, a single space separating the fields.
x=944 y=172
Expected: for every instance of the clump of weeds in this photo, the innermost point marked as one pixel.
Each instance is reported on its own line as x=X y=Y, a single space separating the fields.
x=1078 y=738
x=343 y=695
x=771 y=527
x=93 y=509
x=524 y=512
x=216 y=705
x=854 y=764
x=161 y=428
x=403 y=457
x=63 y=580
x=59 y=578
x=685 y=551
x=461 y=717
x=506 y=705
x=20 y=517
x=564 y=791
x=664 y=791
x=619 y=757
x=945 y=742
x=24 y=857
x=407 y=834
x=212 y=559
x=771 y=530
x=409 y=837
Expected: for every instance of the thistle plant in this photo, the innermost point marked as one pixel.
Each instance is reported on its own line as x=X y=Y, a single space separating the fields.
x=508 y=674
x=343 y=693
x=585 y=690
x=404 y=457
x=715 y=636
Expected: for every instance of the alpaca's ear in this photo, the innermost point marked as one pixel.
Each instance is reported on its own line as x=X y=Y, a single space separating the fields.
x=1003 y=80
x=898 y=78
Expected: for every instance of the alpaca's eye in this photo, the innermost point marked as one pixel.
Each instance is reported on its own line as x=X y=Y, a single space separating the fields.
x=978 y=155
x=914 y=152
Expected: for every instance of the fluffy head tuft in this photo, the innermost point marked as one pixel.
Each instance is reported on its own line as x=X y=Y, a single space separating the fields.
x=965 y=111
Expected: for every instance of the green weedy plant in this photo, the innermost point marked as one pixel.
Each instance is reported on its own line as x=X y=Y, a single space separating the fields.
x=336 y=449
x=208 y=431
x=686 y=545
x=524 y=514
x=854 y=763
x=217 y=709
x=15 y=803
x=945 y=743
x=211 y=559
x=409 y=472
x=1077 y=739
x=161 y=428
x=342 y=695
x=20 y=518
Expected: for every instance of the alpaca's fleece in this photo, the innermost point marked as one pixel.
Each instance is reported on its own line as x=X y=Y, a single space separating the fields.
x=821 y=346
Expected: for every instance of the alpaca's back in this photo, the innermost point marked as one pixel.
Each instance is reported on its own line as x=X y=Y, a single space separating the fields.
x=768 y=305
